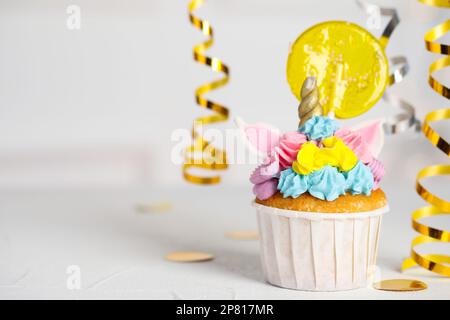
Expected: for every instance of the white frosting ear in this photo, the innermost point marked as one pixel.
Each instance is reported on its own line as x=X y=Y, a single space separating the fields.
x=260 y=138
x=372 y=133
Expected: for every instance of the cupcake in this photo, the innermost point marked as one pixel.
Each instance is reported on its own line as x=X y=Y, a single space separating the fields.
x=318 y=200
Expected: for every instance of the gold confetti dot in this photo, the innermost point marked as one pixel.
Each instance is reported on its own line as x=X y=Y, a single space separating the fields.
x=242 y=235
x=400 y=285
x=189 y=256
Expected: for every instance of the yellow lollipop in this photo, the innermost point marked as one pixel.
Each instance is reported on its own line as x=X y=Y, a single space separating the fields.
x=349 y=63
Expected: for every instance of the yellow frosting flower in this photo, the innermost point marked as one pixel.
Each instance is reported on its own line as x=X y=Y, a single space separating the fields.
x=344 y=155
x=306 y=159
x=334 y=153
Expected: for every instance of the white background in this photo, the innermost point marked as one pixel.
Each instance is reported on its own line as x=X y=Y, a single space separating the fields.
x=97 y=106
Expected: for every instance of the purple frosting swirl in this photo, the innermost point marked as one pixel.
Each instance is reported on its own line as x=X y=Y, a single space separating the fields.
x=265 y=179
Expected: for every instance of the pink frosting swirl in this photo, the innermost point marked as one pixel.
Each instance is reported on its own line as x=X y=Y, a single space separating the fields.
x=378 y=171
x=264 y=177
x=362 y=150
x=267 y=170
x=290 y=144
x=355 y=142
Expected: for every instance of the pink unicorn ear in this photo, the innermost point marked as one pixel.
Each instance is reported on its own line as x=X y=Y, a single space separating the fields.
x=259 y=137
x=372 y=133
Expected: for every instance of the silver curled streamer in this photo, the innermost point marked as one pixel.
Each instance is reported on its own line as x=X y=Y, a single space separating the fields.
x=399 y=64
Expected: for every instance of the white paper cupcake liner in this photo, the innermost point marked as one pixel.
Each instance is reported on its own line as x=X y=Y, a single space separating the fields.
x=318 y=251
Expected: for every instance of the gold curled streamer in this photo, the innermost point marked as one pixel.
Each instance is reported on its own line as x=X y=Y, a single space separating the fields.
x=202 y=154
x=437 y=263
x=400 y=66
x=436 y=3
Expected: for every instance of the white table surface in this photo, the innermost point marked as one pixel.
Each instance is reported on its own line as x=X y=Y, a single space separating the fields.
x=121 y=252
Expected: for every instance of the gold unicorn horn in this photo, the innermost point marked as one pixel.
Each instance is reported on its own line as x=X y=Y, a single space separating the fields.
x=310 y=105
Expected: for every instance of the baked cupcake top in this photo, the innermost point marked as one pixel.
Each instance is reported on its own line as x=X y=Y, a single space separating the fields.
x=348 y=203
x=319 y=159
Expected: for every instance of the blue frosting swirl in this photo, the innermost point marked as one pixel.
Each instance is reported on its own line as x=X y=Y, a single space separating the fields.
x=359 y=180
x=327 y=183
x=319 y=127
x=292 y=184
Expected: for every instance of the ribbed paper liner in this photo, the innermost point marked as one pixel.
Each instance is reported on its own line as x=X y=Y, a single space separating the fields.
x=318 y=251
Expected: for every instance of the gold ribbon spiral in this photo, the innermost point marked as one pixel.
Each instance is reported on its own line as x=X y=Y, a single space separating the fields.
x=437 y=263
x=400 y=66
x=202 y=154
